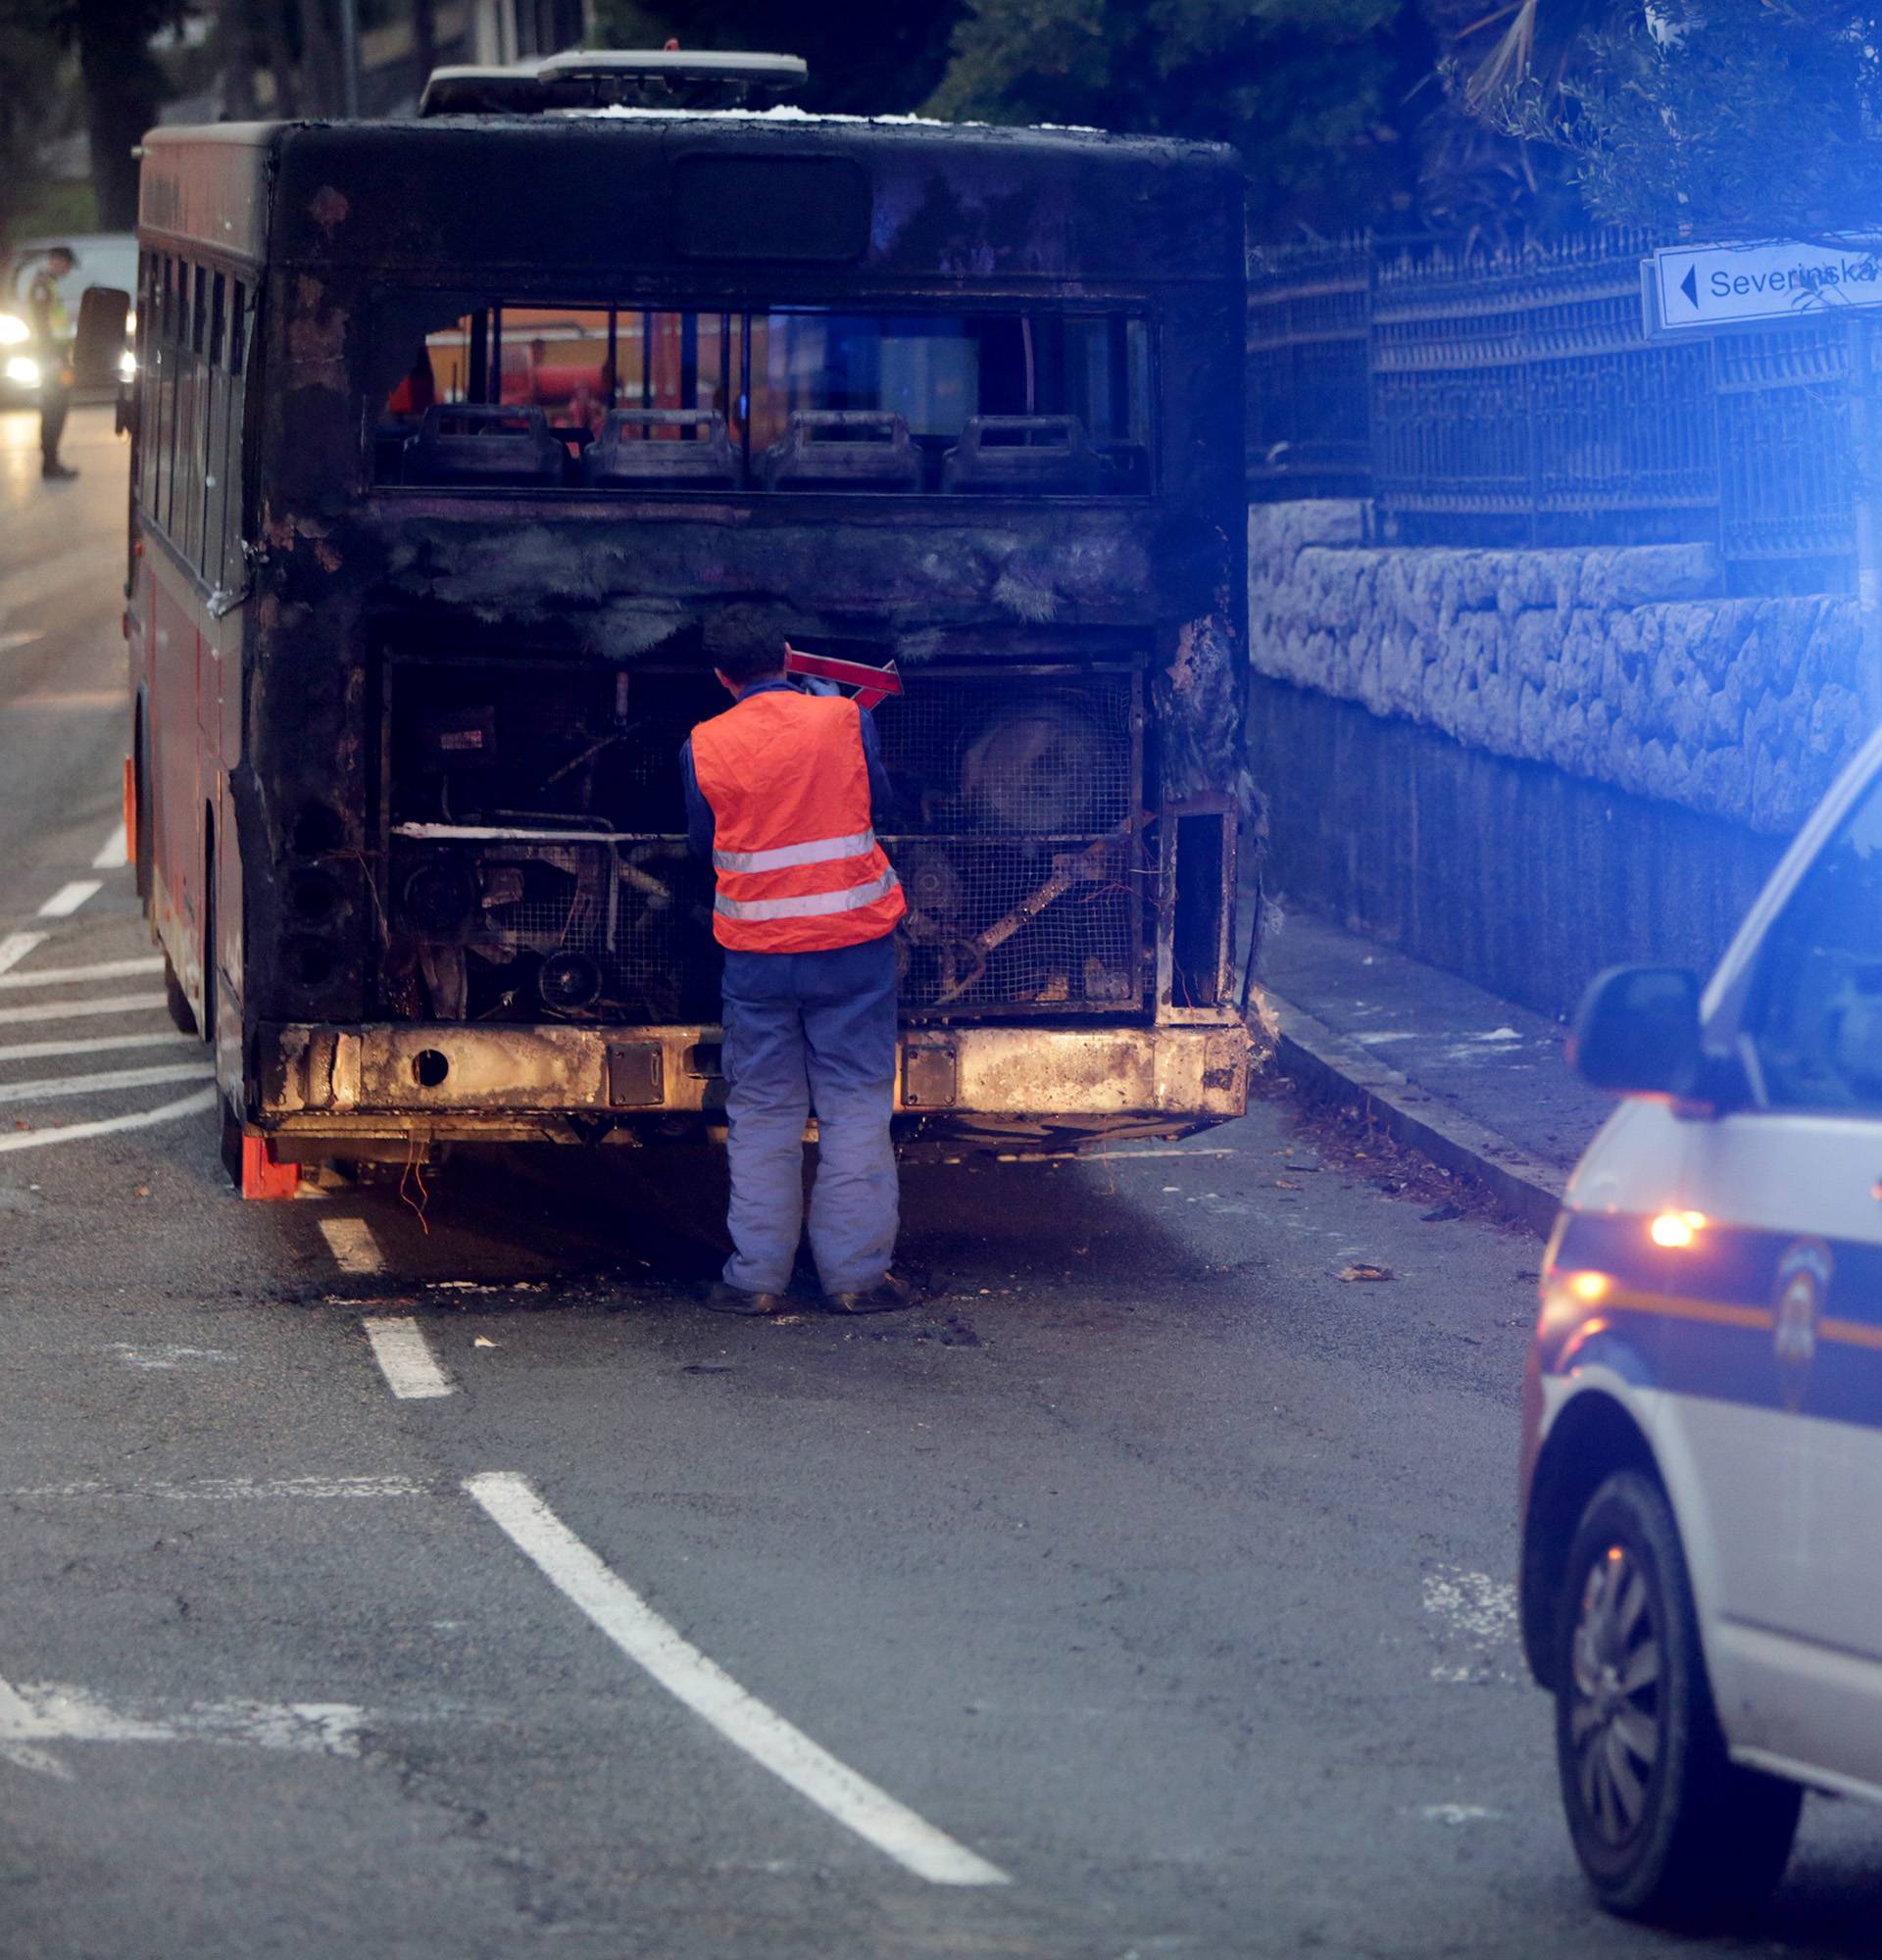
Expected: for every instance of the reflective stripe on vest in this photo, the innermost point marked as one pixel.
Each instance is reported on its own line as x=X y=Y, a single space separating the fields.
x=812 y=904
x=822 y=851
x=796 y=859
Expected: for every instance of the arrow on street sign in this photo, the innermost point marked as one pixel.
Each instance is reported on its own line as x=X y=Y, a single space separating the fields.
x=1701 y=288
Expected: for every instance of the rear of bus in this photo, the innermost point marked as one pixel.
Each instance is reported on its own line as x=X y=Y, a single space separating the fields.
x=540 y=395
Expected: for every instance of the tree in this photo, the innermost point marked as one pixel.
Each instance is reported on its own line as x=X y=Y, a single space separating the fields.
x=1316 y=94
x=30 y=59
x=1718 y=118
x=123 y=88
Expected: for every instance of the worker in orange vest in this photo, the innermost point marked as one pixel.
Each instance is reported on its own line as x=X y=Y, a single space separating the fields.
x=783 y=794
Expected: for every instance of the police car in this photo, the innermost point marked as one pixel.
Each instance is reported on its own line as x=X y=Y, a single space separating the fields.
x=1702 y=1470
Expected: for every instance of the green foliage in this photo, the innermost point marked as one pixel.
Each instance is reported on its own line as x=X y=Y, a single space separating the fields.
x=1724 y=117
x=1313 y=93
x=31 y=100
x=866 y=56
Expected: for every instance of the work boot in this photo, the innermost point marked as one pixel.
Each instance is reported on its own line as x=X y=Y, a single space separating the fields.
x=57 y=472
x=725 y=1298
x=886 y=1296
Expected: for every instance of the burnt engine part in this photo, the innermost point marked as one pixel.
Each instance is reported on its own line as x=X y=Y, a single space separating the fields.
x=537 y=863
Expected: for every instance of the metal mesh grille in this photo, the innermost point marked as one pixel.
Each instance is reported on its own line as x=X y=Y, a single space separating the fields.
x=1016 y=841
x=1017 y=925
x=996 y=754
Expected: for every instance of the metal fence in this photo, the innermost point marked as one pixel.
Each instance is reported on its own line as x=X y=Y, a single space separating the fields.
x=1518 y=400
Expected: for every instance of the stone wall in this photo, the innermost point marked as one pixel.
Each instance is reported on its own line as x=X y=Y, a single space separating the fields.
x=1610 y=665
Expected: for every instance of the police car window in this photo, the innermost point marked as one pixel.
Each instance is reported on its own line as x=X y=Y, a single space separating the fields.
x=1816 y=1017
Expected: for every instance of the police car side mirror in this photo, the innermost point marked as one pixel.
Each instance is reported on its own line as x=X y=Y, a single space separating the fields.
x=100 y=339
x=1637 y=1032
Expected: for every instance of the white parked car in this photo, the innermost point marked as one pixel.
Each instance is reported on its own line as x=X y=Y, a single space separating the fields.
x=105 y=259
x=1702 y=1485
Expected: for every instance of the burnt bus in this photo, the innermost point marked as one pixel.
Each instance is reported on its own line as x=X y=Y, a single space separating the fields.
x=450 y=435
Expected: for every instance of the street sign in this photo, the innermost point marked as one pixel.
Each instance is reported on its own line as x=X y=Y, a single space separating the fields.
x=1701 y=288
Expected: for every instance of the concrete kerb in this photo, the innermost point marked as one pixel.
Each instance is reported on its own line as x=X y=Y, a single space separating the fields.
x=1329 y=1067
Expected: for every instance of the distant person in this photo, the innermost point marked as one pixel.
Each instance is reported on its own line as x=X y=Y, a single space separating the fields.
x=52 y=330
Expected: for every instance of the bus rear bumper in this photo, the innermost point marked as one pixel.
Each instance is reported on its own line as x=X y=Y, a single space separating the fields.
x=453 y=1079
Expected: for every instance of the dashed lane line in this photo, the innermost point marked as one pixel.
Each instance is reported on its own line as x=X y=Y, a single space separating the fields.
x=46 y=1051
x=104 y=1126
x=115 y=854
x=744 y=1720
x=353 y=1246
x=69 y=1010
x=69 y=897
x=48 y=1088
x=16 y=946
x=66 y=976
x=406 y=1360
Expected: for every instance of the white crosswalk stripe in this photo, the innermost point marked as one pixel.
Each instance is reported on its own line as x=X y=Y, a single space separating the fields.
x=87 y=1021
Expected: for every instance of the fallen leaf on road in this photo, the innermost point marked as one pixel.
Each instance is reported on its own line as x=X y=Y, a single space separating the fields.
x=1356 y=1272
x=1287 y=1184
x=480 y=1340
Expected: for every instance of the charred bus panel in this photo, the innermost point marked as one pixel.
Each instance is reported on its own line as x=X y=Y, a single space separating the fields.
x=980 y=418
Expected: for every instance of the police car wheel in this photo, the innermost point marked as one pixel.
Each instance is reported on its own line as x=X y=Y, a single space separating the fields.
x=1666 y=1826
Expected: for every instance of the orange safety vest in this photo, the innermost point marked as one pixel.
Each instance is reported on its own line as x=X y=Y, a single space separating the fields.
x=799 y=868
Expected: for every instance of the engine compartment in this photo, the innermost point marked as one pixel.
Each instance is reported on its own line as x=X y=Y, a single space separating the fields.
x=532 y=834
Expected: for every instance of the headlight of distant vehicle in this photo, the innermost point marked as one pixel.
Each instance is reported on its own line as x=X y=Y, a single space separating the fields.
x=13 y=330
x=23 y=369
x=127 y=366
x=130 y=322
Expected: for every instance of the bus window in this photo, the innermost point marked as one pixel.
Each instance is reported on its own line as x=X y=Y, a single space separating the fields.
x=805 y=398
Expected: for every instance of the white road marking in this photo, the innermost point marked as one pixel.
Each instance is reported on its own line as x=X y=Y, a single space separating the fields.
x=106 y=969
x=51 y=1088
x=1475 y=1624
x=69 y=897
x=715 y=1697
x=353 y=1246
x=70 y=1010
x=94 y=1044
x=115 y=851
x=1109 y=1156
x=229 y=1490
x=169 y=1355
x=12 y=642
x=36 y=1712
x=105 y=1126
x=16 y=946
x=406 y=1360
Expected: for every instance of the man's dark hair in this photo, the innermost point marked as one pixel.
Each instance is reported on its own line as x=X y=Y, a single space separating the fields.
x=63 y=251
x=745 y=643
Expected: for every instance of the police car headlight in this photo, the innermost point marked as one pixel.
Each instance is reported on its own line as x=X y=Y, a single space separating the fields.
x=127 y=366
x=13 y=330
x=24 y=371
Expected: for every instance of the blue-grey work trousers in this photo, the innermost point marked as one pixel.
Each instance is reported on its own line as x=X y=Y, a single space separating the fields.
x=810 y=1031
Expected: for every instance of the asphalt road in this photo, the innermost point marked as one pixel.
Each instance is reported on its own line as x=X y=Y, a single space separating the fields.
x=1145 y=1594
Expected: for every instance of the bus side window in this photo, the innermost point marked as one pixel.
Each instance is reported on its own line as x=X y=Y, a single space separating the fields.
x=233 y=569
x=147 y=340
x=215 y=483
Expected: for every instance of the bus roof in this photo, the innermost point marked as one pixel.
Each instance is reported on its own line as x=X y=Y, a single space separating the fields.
x=888 y=198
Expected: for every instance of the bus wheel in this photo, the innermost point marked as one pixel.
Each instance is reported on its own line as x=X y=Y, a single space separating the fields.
x=182 y=1015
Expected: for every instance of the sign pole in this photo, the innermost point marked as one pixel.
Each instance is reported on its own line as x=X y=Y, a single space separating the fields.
x=1864 y=427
